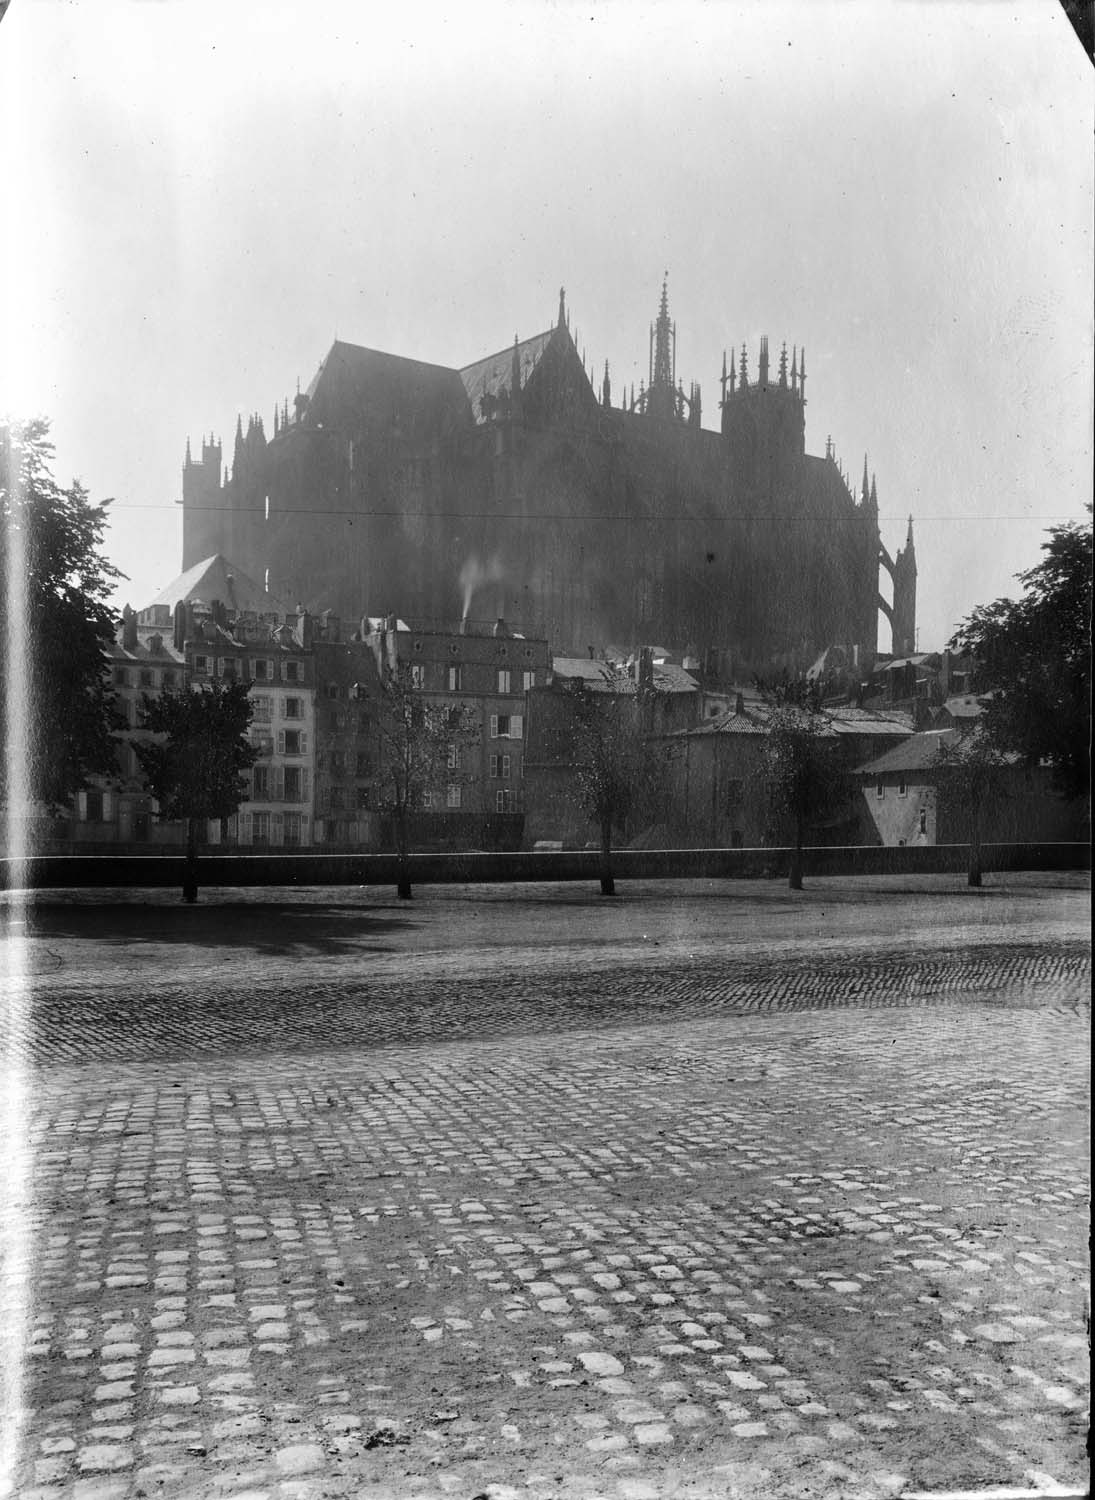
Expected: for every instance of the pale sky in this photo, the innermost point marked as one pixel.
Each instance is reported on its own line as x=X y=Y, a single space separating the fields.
x=198 y=198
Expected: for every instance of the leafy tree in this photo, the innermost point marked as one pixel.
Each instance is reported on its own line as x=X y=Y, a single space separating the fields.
x=1034 y=656
x=802 y=769
x=616 y=769
x=54 y=537
x=418 y=739
x=971 y=773
x=195 y=765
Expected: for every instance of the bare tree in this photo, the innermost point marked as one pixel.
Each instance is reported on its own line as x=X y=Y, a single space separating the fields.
x=971 y=774
x=616 y=768
x=419 y=741
x=803 y=773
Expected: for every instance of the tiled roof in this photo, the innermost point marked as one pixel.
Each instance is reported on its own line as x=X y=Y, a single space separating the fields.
x=918 y=753
x=669 y=678
x=598 y=676
x=490 y=376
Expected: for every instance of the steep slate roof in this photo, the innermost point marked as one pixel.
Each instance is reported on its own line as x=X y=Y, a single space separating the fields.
x=918 y=753
x=490 y=376
x=354 y=381
x=216 y=578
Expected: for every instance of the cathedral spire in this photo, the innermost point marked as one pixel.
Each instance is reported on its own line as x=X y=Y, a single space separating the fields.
x=794 y=367
x=744 y=367
x=606 y=392
x=189 y=460
x=874 y=494
x=663 y=401
x=562 y=323
x=763 y=376
x=866 y=488
x=783 y=365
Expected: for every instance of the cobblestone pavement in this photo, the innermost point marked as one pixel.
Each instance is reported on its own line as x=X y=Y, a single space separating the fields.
x=694 y=1196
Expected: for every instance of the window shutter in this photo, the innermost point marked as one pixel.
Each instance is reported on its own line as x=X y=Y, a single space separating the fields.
x=494 y=726
x=305 y=783
x=303 y=743
x=281 y=741
x=277 y=783
x=284 y=672
x=516 y=726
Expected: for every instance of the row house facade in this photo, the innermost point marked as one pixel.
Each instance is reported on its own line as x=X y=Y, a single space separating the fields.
x=489 y=672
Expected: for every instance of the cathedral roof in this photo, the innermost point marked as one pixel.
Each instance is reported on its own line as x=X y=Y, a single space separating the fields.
x=216 y=578
x=489 y=377
x=386 y=388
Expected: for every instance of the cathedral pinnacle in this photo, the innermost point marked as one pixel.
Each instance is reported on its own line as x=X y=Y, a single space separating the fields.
x=562 y=308
x=866 y=489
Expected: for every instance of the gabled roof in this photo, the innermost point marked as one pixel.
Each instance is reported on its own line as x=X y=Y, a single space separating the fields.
x=918 y=753
x=216 y=578
x=492 y=376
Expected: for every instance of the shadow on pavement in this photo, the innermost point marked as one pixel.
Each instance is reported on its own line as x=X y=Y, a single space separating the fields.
x=278 y=928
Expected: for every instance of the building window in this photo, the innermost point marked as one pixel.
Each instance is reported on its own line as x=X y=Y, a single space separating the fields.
x=145 y=678
x=335 y=799
x=294 y=784
x=456 y=679
x=923 y=820
x=880 y=789
x=290 y=671
x=338 y=763
x=452 y=794
x=363 y=797
x=260 y=828
x=260 y=783
x=363 y=765
x=94 y=812
x=291 y=742
x=506 y=726
x=453 y=758
x=418 y=675
x=262 y=670
x=902 y=788
x=121 y=677
x=201 y=665
x=333 y=690
x=528 y=680
x=293 y=826
x=294 y=708
x=504 y=800
x=503 y=679
x=167 y=679
x=500 y=767
x=427 y=801
x=260 y=709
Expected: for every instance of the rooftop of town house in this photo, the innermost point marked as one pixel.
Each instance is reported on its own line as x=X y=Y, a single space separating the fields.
x=918 y=753
x=216 y=578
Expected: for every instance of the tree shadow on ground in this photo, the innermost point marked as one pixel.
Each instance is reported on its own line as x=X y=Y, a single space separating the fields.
x=332 y=930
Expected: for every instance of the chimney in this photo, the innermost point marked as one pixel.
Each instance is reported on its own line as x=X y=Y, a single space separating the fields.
x=129 y=629
x=739 y=705
x=500 y=628
x=591 y=655
x=179 y=626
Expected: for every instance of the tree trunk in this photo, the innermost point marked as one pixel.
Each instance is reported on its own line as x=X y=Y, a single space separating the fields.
x=190 y=868
x=403 y=877
x=794 y=879
x=973 y=876
x=608 y=884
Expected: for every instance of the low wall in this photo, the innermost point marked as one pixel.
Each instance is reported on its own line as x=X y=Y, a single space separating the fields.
x=45 y=872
